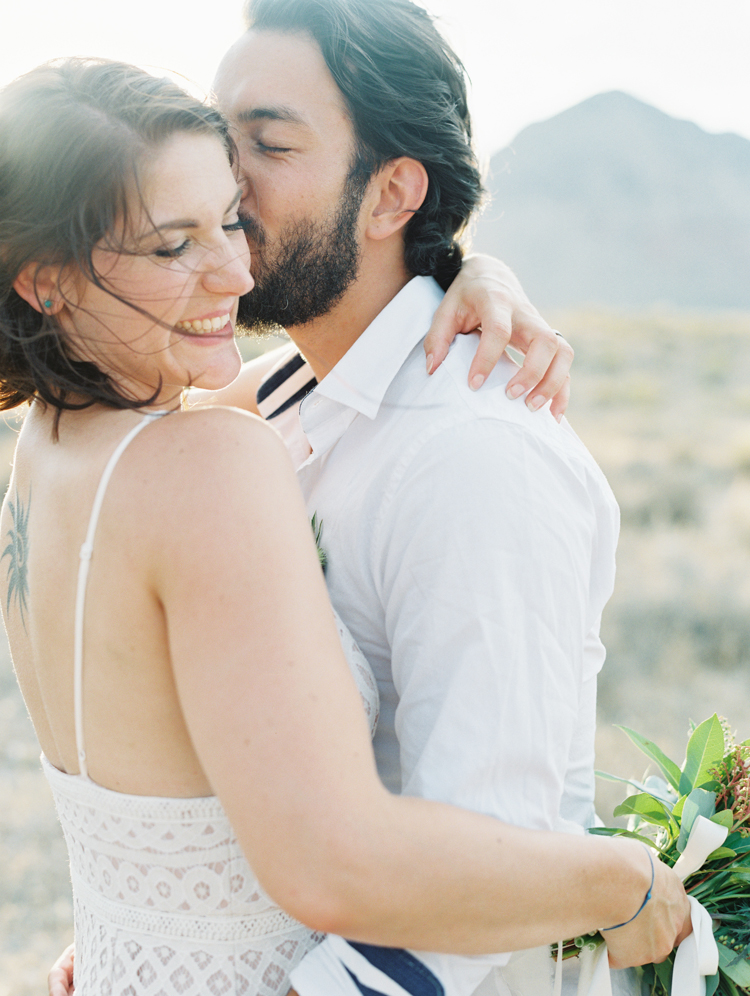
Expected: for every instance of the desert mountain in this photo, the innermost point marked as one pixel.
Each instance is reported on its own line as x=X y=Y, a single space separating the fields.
x=617 y=203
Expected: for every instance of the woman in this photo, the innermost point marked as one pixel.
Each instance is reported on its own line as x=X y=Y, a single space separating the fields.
x=173 y=694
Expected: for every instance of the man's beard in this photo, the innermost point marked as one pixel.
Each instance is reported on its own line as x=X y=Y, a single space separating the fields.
x=313 y=265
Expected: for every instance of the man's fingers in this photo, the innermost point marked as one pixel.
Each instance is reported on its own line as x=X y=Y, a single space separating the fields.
x=60 y=978
x=58 y=983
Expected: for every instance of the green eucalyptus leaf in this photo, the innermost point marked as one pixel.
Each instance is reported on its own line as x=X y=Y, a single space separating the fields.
x=664 y=973
x=677 y=808
x=724 y=818
x=721 y=852
x=734 y=965
x=698 y=803
x=705 y=750
x=668 y=767
x=728 y=987
x=712 y=981
x=621 y=832
x=648 y=975
x=645 y=806
x=739 y=843
x=656 y=787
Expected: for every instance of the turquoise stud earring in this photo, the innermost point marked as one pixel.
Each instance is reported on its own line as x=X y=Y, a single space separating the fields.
x=47 y=304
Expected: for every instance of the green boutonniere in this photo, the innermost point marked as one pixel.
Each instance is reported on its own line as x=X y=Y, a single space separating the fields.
x=317 y=528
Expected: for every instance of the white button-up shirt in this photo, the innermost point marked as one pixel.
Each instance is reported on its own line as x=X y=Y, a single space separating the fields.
x=470 y=550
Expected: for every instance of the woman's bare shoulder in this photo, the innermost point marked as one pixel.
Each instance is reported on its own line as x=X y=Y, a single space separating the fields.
x=210 y=434
x=202 y=458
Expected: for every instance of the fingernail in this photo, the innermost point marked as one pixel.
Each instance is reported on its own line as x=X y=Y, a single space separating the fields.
x=476 y=381
x=515 y=392
x=559 y=417
x=430 y=361
x=536 y=402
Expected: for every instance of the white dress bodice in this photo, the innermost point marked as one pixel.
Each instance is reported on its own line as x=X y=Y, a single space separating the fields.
x=165 y=903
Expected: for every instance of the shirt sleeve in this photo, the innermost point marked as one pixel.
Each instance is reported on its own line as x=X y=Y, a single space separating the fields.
x=487 y=545
x=493 y=552
x=486 y=551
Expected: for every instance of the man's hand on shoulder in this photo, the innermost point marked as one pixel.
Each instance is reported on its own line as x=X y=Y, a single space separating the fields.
x=60 y=978
x=486 y=296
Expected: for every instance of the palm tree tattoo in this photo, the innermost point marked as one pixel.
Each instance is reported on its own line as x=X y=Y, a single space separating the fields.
x=17 y=553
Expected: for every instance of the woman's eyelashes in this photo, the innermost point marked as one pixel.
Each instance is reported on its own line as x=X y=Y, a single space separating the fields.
x=174 y=252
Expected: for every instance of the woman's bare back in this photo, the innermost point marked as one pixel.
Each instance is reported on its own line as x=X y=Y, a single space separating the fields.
x=135 y=734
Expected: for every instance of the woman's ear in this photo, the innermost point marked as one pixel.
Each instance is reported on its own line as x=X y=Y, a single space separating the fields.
x=39 y=287
x=400 y=188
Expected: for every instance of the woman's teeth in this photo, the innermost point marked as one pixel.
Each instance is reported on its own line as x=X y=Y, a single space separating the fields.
x=203 y=325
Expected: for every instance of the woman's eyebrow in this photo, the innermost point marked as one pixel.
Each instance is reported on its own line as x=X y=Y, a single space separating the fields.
x=191 y=223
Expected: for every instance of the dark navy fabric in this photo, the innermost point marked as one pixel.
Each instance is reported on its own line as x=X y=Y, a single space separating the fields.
x=401 y=966
x=365 y=990
x=270 y=384
x=293 y=400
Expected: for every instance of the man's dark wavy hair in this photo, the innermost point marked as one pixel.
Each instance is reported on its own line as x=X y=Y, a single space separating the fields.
x=406 y=92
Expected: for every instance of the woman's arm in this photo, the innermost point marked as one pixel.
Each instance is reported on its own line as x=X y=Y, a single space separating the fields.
x=487 y=297
x=279 y=730
x=243 y=389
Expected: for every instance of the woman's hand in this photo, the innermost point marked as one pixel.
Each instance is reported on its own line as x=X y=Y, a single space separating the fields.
x=487 y=293
x=60 y=978
x=663 y=923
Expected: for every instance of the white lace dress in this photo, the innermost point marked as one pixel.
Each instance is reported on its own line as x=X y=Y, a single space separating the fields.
x=165 y=903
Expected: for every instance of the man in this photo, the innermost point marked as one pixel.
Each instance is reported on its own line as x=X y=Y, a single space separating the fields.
x=470 y=543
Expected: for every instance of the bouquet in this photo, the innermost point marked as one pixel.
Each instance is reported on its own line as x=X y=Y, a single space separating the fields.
x=713 y=784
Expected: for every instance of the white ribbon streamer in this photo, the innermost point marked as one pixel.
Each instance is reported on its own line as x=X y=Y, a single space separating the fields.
x=697 y=956
x=595 y=978
x=704 y=838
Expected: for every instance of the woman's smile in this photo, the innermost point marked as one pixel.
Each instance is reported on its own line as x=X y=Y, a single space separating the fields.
x=142 y=320
x=209 y=326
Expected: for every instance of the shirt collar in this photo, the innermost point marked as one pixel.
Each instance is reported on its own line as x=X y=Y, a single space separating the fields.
x=365 y=372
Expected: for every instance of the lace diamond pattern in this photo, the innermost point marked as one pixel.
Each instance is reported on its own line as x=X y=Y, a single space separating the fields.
x=173 y=909
x=165 y=903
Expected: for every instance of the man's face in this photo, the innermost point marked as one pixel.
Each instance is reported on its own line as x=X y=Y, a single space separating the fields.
x=296 y=147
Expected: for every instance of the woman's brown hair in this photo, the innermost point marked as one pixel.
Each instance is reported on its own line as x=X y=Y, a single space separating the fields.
x=74 y=134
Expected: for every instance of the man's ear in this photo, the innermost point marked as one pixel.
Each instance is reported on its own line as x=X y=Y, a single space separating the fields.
x=39 y=287
x=400 y=188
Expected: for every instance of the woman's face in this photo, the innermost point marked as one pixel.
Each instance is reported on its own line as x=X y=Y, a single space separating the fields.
x=185 y=262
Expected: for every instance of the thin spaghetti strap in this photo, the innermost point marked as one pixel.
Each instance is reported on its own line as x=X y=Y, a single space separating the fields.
x=83 y=574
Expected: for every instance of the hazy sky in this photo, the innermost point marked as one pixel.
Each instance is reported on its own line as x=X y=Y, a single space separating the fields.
x=528 y=59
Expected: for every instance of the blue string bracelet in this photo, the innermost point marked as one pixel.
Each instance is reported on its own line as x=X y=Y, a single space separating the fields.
x=648 y=895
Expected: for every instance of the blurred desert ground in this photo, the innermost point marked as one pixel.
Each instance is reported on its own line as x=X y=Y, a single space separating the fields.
x=663 y=401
